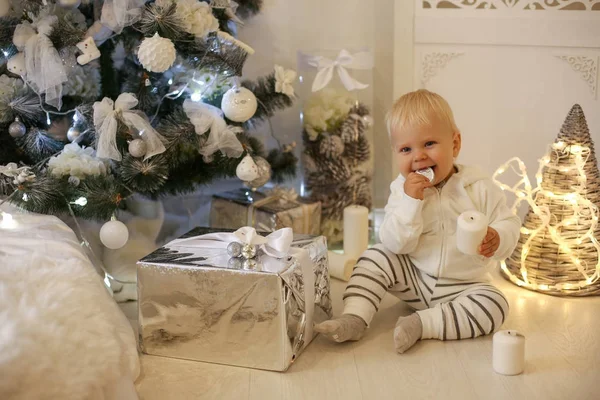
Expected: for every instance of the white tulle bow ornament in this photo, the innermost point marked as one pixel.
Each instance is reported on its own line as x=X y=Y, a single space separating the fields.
x=118 y=14
x=344 y=61
x=106 y=113
x=222 y=137
x=45 y=70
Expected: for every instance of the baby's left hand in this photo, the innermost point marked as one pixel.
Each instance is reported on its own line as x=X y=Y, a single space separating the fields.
x=490 y=243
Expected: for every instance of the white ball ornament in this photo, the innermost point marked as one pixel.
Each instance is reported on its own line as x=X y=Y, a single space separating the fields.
x=264 y=173
x=69 y=3
x=114 y=234
x=16 y=64
x=239 y=104
x=138 y=148
x=157 y=54
x=73 y=134
x=4 y=7
x=247 y=170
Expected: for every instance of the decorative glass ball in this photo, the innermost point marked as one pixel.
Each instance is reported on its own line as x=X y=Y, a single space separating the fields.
x=234 y=249
x=138 y=148
x=367 y=121
x=73 y=134
x=69 y=3
x=235 y=263
x=239 y=104
x=114 y=234
x=17 y=129
x=250 y=264
x=264 y=173
x=249 y=251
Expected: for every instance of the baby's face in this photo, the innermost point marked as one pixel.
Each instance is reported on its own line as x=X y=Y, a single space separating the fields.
x=434 y=146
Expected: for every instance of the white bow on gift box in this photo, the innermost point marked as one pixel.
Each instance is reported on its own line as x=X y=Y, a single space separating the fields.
x=105 y=121
x=362 y=61
x=276 y=246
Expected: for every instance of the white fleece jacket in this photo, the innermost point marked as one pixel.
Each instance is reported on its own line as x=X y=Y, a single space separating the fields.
x=426 y=229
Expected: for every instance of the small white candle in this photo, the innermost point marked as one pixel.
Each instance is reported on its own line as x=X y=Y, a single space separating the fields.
x=356 y=230
x=340 y=266
x=470 y=231
x=508 y=352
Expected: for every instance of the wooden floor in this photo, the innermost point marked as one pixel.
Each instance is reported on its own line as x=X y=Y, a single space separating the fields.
x=562 y=355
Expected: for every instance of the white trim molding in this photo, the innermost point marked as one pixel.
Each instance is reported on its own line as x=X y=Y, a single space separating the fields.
x=587 y=68
x=517 y=5
x=433 y=63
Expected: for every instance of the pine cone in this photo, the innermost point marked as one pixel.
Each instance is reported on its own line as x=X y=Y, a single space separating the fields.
x=331 y=146
x=358 y=152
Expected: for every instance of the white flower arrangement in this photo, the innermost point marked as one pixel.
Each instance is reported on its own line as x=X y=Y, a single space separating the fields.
x=196 y=16
x=78 y=162
x=324 y=110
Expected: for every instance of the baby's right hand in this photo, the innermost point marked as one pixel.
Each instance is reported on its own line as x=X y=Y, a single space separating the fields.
x=415 y=185
x=345 y=327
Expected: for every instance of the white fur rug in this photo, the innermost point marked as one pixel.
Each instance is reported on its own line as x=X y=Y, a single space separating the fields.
x=61 y=335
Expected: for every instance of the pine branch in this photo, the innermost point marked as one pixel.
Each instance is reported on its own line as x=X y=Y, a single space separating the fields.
x=25 y=106
x=182 y=141
x=38 y=145
x=163 y=20
x=269 y=101
x=65 y=33
x=104 y=196
x=249 y=8
x=144 y=176
x=215 y=55
x=283 y=164
x=43 y=195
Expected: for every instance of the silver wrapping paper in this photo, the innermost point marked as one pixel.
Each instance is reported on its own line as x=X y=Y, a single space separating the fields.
x=229 y=210
x=192 y=306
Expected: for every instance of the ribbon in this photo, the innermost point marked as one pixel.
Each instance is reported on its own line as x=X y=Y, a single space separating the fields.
x=361 y=60
x=43 y=64
x=283 y=196
x=117 y=14
x=105 y=121
x=277 y=245
x=221 y=137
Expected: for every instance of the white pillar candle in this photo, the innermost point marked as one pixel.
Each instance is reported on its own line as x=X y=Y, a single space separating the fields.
x=508 y=352
x=356 y=230
x=470 y=231
x=340 y=266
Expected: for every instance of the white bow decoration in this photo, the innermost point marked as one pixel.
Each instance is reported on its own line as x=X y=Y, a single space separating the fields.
x=117 y=14
x=284 y=80
x=221 y=137
x=361 y=60
x=105 y=121
x=43 y=64
x=20 y=174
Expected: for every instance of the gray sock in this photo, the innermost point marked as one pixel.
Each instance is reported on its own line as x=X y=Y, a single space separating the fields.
x=408 y=330
x=344 y=328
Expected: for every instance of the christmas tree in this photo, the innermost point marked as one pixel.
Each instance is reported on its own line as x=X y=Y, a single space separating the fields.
x=558 y=250
x=100 y=100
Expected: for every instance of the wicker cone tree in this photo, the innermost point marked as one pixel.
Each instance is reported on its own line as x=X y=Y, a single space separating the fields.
x=558 y=252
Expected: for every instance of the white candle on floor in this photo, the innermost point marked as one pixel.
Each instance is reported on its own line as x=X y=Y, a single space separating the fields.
x=508 y=352
x=356 y=230
x=471 y=229
x=340 y=266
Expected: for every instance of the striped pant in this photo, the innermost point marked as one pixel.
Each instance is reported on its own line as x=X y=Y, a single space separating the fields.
x=449 y=309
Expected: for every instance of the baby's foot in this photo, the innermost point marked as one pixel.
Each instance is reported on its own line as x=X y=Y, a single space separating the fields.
x=346 y=327
x=408 y=330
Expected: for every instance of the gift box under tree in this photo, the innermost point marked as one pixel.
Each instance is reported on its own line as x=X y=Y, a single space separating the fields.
x=198 y=302
x=269 y=211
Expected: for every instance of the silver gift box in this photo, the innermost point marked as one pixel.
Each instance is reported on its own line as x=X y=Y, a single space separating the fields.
x=193 y=306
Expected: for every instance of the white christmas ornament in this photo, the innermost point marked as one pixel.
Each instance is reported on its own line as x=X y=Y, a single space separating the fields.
x=89 y=50
x=239 y=104
x=138 y=148
x=114 y=234
x=157 y=54
x=16 y=64
x=4 y=7
x=247 y=170
x=69 y=3
x=73 y=134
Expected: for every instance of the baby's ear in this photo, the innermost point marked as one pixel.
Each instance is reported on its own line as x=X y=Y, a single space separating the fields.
x=456 y=143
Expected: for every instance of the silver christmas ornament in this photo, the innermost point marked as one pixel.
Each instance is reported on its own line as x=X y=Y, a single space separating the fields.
x=73 y=134
x=248 y=251
x=137 y=148
x=235 y=263
x=264 y=173
x=250 y=264
x=69 y=3
x=17 y=129
x=234 y=249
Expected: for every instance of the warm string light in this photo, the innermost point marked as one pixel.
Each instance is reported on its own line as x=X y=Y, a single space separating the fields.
x=582 y=208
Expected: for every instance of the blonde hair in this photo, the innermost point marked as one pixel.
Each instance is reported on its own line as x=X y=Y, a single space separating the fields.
x=420 y=108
